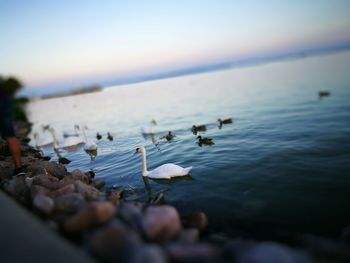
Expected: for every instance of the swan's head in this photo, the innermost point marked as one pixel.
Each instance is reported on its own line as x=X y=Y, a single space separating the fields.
x=45 y=127
x=219 y=120
x=140 y=149
x=153 y=122
x=77 y=127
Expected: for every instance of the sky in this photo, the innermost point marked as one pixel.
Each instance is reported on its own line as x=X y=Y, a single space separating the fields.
x=73 y=42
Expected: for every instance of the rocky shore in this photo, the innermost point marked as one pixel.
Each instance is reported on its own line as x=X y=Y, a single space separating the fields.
x=98 y=220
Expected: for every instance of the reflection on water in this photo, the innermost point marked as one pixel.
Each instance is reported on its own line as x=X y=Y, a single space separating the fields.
x=283 y=162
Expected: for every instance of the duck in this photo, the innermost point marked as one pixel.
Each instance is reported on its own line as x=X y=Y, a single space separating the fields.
x=109 y=136
x=198 y=128
x=165 y=171
x=70 y=133
x=43 y=142
x=89 y=145
x=147 y=130
x=324 y=93
x=63 y=160
x=169 y=136
x=225 y=121
x=98 y=136
x=207 y=141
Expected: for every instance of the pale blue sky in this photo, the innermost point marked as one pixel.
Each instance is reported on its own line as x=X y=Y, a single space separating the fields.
x=48 y=42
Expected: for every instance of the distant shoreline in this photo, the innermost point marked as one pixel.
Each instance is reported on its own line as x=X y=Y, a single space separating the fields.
x=204 y=68
x=76 y=91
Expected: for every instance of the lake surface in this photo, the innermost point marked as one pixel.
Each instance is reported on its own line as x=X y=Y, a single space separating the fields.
x=284 y=162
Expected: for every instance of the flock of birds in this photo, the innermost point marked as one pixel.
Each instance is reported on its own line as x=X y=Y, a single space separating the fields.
x=170 y=170
x=77 y=136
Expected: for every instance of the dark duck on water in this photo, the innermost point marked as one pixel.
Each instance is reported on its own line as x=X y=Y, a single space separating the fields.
x=98 y=136
x=198 y=128
x=206 y=141
x=109 y=136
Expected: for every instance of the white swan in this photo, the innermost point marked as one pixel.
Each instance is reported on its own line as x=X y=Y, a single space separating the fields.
x=69 y=133
x=43 y=142
x=67 y=142
x=165 y=171
x=146 y=130
x=89 y=145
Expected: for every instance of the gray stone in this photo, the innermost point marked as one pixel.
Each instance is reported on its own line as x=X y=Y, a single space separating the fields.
x=197 y=220
x=43 y=204
x=115 y=243
x=161 y=223
x=92 y=215
x=90 y=193
x=189 y=236
x=69 y=203
x=130 y=215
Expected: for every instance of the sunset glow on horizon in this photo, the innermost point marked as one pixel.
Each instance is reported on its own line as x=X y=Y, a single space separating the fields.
x=48 y=42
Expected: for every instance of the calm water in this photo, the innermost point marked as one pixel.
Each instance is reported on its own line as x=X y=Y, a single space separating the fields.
x=284 y=163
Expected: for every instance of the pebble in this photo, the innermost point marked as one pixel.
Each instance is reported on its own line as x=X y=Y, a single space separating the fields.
x=90 y=193
x=43 y=204
x=130 y=215
x=114 y=195
x=70 y=188
x=69 y=203
x=98 y=183
x=197 y=220
x=92 y=215
x=115 y=242
x=161 y=223
x=189 y=236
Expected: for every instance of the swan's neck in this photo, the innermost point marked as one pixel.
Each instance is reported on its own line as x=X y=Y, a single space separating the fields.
x=144 y=163
x=85 y=138
x=55 y=142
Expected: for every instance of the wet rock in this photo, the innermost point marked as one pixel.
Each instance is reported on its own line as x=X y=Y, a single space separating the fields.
x=193 y=253
x=43 y=204
x=130 y=215
x=92 y=215
x=55 y=169
x=269 y=252
x=38 y=190
x=114 y=195
x=17 y=188
x=161 y=223
x=197 y=220
x=5 y=173
x=98 y=184
x=69 y=203
x=37 y=167
x=90 y=193
x=90 y=174
x=76 y=175
x=41 y=179
x=67 y=189
x=115 y=243
x=189 y=236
